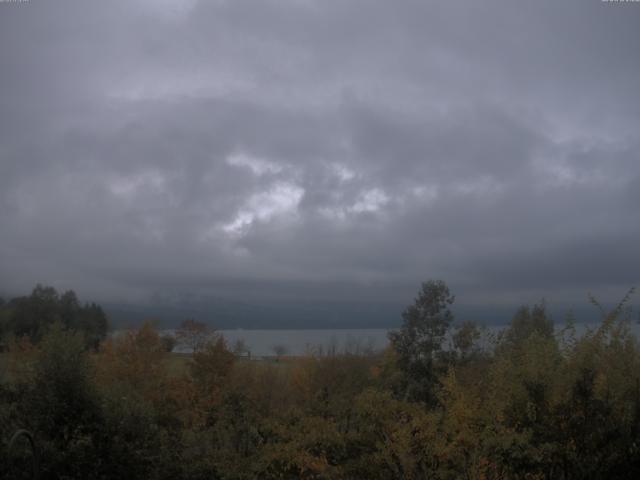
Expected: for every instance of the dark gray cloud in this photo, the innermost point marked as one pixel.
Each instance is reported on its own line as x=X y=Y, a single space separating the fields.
x=320 y=150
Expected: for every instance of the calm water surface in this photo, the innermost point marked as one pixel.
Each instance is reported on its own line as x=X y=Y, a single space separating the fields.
x=299 y=342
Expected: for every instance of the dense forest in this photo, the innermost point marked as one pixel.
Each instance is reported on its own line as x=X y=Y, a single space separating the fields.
x=445 y=400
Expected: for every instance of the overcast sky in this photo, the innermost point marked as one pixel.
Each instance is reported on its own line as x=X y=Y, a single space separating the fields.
x=328 y=150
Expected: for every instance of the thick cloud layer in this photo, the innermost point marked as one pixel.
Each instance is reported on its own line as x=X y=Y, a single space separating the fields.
x=320 y=150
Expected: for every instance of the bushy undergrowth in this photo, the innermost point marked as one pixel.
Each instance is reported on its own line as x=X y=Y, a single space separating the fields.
x=535 y=402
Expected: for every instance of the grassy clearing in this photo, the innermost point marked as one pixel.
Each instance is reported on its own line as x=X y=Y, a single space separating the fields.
x=178 y=363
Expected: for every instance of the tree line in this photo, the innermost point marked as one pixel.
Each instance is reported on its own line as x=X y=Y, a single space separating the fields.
x=31 y=316
x=445 y=400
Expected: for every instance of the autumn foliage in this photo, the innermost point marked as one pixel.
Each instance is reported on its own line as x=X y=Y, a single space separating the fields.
x=446 y=400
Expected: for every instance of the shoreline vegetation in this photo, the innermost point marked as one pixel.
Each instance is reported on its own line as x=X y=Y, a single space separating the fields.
x=443 y=400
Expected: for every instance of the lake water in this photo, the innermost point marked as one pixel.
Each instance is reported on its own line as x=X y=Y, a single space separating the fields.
x=263 y=343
